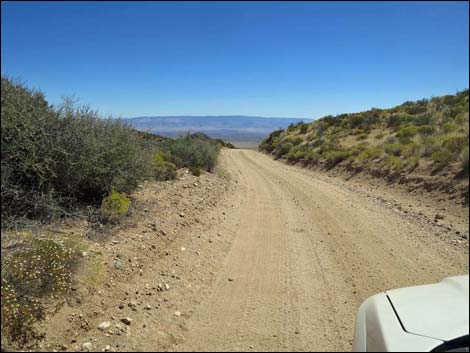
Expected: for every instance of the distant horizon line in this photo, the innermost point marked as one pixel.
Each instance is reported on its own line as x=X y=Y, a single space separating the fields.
x=457 y=91
x=215 y=116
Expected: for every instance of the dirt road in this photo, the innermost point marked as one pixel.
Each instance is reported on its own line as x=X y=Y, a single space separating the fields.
x=305 y=254
x=258 y=256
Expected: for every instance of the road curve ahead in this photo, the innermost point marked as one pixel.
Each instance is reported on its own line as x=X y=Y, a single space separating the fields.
x=306 y=253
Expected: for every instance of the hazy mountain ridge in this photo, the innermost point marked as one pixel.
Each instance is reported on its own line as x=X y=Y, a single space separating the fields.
x=229 y=127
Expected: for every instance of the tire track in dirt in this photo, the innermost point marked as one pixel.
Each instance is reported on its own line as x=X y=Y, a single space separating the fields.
x=305 y=255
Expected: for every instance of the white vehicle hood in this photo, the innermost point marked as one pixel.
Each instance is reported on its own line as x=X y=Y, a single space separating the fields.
x=436 y=310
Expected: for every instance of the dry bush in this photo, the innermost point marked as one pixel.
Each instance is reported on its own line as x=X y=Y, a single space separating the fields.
x=34 y=275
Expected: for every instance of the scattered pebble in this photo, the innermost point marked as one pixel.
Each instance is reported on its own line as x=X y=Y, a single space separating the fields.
x=104 y=325
x=87 y=346
x=126 y=321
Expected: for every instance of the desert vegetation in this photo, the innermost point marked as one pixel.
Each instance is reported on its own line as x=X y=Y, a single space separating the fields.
x=55 y=160
x=64 y=162
x=429 y=136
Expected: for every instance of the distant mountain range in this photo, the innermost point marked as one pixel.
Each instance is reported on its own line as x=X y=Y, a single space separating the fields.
x=231 y=128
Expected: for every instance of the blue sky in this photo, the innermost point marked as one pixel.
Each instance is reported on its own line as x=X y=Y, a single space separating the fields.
x=297 y=59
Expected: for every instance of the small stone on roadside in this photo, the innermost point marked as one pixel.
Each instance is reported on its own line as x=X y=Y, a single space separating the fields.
x=126 y=321
x=87 y=346
x=104 y=325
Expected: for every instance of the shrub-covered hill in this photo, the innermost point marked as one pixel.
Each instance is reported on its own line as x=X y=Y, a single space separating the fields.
x=427 y=139
x=67 y=161
x=57 y=160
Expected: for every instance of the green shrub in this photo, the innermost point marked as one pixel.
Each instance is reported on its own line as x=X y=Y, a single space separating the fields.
x=370 y=154
x=317 y=142
x=361 y=137
x=168 y=157
x=398 y=119
x=335 y=157
x=58 y=160
x=379 y=136
x=411 y=149
x=163 y=170
x=357 y=120
x=441 y=157
x=426 y=130
x=328 y=145
x=357 y=149
x=464 y=160
x=303 y=127
x=394 y=163
x=462 y=118
x=114 y=206
x=391 y=139
x=412 y=162
x=54 y=159
x=454 y=143
x=298 y=152
x=406 y=133
x=296 y=140
x=394 y=148
x=158 y=158
x=269 y=144
x=27 y=164
x=195 y=171
x=424 y=119
x=193 y=152
x=449 y=127
x=103 y=154
x=284 y=148
x=168 y=172
x=38 y=271
x=312 y=156
x=431 y=145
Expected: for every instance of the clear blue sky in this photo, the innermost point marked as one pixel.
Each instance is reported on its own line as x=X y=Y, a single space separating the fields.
x=295 y=59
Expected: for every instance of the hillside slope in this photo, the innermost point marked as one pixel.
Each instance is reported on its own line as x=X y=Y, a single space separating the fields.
x=422 y=143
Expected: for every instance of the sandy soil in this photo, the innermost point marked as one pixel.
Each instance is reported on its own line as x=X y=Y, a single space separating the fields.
x=266 y=257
